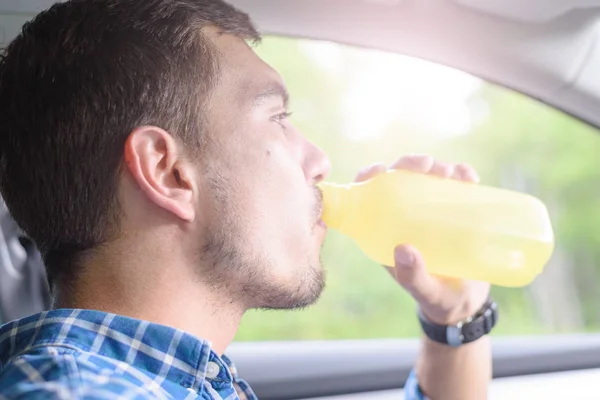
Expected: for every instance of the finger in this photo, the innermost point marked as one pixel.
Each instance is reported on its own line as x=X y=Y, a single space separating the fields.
x=465 y=172
x=411 y=274
x=441 y=169
x=415 y=162
x=370 y=172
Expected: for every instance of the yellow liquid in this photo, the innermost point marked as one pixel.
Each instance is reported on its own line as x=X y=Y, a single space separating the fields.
x=462 y=230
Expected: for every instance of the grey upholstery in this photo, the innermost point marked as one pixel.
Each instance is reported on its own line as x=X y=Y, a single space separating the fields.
x=23 y=284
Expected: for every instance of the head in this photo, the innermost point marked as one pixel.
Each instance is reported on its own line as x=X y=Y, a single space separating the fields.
x=146 y=120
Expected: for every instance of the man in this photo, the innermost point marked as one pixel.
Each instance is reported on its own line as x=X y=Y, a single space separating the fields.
x=146 y=150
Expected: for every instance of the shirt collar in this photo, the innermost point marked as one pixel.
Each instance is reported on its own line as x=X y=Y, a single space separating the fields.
x=160 y=350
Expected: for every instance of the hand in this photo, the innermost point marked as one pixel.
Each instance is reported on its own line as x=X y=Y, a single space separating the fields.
x=443 y=301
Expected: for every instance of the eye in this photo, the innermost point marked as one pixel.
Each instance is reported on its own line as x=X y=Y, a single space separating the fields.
x=280 y=118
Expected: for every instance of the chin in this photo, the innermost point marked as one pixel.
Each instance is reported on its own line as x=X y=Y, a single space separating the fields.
x=295 y=291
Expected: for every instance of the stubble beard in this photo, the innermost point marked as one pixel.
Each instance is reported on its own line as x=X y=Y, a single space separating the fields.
x=244 y=278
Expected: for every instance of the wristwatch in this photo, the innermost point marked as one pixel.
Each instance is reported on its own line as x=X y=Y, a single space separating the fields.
x=466 y=331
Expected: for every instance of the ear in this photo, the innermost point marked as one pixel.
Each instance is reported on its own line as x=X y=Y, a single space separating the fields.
x=155 y=162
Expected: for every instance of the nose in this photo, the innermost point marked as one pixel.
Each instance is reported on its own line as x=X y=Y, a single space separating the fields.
x=317 y=165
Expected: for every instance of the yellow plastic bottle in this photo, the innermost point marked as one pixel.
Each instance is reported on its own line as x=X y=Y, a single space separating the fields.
x=462 y=230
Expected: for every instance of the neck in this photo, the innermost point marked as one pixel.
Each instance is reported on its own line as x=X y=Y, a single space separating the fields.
x=156 y=288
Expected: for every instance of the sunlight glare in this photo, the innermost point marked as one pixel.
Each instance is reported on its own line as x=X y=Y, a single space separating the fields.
x=383 y=88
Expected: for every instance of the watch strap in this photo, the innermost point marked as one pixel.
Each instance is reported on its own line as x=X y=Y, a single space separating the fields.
x=466 y=331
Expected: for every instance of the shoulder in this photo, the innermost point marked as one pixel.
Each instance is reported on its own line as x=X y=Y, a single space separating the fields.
x=63 y=373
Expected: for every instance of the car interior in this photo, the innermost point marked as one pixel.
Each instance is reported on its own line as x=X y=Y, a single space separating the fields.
x=511 y=86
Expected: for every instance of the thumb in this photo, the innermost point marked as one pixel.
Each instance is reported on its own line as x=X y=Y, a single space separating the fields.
x=411 y=274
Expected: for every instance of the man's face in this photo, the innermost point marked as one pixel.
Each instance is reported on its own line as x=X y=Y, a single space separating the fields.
x=263 y=233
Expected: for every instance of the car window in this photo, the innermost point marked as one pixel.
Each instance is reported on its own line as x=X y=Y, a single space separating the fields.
x=364 y=106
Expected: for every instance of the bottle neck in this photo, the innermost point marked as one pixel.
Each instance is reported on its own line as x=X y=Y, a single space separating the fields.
x=335 y=204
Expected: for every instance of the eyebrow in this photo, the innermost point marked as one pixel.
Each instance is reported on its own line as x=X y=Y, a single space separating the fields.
x=274 y=89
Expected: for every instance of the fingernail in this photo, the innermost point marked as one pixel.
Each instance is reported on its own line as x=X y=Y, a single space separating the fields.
x=404 y=257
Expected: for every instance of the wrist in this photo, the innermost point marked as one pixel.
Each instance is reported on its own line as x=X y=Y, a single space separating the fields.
x=442 y=316
x=450 y=373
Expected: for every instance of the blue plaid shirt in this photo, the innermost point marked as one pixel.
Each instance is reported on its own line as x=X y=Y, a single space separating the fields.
x=84 y=354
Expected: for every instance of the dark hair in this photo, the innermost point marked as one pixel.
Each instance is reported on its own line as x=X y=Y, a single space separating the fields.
x=73 y=85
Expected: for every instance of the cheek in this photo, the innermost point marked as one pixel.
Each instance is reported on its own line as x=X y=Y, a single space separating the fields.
x=284 y=182
x=279 y=212
x=288 y=214
x=271 y=196
x=270 y=164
